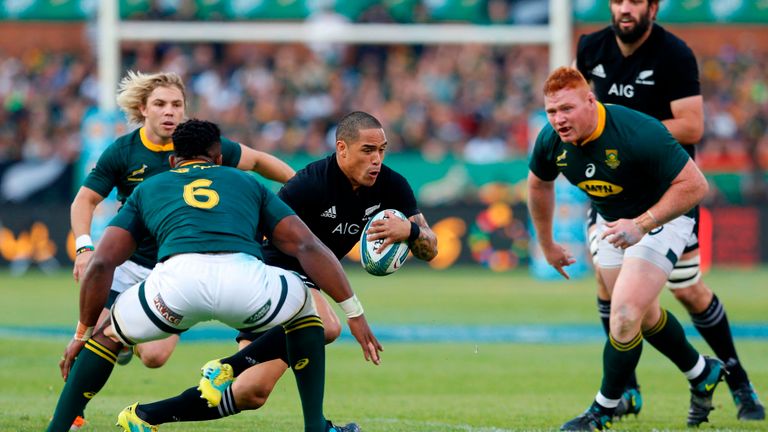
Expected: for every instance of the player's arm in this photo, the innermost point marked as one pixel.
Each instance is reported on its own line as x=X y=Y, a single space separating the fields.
x=541 y=206
x=265 y=164
x=81 y=215
x=687 y=122
x=115 y=247
x=686 y=191
x=416 y=231
x=294 y=238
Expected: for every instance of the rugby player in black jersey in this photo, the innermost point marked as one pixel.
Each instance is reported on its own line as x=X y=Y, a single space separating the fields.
x=639 y=64
x=335 y=197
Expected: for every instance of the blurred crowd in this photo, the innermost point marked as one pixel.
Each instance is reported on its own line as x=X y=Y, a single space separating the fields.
x=473 y=102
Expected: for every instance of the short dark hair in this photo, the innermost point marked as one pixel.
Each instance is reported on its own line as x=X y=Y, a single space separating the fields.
x=196 y=138
x=349 y=127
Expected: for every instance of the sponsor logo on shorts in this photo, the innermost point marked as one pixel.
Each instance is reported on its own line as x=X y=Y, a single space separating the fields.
x=259 y=313
x=166 y=312
x=301 y=364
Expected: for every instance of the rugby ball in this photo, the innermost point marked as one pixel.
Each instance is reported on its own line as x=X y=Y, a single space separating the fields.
x=387 y=261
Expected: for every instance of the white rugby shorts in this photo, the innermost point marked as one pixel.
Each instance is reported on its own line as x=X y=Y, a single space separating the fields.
x=237 y=289
x=662 y=246
x=127 y=275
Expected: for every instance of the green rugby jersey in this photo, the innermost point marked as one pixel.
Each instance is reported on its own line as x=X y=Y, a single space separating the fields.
x=624 y=167
x=201 y=207
x=130 y=160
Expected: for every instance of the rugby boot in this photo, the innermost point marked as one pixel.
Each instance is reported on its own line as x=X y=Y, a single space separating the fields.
x=747 y=402
x=351 y=427
x=596 y=418
x=701 y=393
x=631 y=403
x=131 y=422
x=216 y=378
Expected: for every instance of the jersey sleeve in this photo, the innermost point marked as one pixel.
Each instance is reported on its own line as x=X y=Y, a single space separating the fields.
x=542 y=160
x=106 y=174
x=298 y=194
x=129 y=218
x=272 y=211
x=230 y=152
x=665 y=159
x=580 y=56
x=403 y=193
x=683 y=74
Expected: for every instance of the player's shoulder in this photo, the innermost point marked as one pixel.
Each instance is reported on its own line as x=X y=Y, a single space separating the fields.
x=547 y=136
x=125 y=142
x=388 y=175
x=593 y=44
x=670 y=43
x=315 y=173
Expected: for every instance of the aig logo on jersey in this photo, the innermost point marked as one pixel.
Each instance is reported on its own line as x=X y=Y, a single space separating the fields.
x=623 y=90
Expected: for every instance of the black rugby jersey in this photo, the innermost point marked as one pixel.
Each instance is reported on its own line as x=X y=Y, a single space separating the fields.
x=322 y=196
x=661 y=70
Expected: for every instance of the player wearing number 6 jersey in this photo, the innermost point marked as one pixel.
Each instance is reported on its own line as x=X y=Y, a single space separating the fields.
x=208 y=221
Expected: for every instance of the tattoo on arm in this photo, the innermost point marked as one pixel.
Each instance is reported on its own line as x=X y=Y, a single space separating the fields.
x=425 y=246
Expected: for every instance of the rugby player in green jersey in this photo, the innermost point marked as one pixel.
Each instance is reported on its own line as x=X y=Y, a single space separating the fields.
x=157 y=102
x=643 y=186
x=208 y=221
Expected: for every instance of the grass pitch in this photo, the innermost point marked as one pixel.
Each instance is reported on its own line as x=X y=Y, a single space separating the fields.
x=467 y=386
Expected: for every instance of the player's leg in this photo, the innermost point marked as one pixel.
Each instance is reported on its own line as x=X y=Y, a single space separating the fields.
x=710 y=319
x=631 y=401
x=252 y=387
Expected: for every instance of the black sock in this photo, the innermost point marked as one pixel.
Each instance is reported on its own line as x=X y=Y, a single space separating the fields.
x=668 y=337
x=604 y=310
x=713 y=326
x=619 y=360
x=188 y=406
x=267 y=346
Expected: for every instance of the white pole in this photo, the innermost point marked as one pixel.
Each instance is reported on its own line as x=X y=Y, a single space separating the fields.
x=561 y=33
x=108 y=48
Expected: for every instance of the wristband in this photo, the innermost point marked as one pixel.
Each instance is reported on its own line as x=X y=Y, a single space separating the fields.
x=83 y=333
x=415 y=232
x=352 y=307
x=83 y=249
x=82 y=241
x=653 y=218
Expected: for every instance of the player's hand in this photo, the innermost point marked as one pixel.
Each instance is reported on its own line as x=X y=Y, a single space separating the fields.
x=390 y=230
x=558 y=257
x=624 y=232
x=81 y=262
x=360 y=330
x=70 y=353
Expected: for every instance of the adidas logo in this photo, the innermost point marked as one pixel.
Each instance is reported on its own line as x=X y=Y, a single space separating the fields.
x=330 y=213
x=598 y=71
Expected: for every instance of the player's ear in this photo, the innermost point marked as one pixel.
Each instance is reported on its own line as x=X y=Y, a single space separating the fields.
x=172 y=161
x=341 y=148
x=219 y=160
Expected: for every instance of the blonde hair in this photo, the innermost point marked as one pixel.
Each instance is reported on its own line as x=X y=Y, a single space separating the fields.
x=564 y=78
x=135 y=88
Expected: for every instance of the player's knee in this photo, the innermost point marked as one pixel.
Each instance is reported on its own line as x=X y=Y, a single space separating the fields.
x=332 y=331
x=625 y=321
x=153 y=359
x=694 y=298
x=254 y=397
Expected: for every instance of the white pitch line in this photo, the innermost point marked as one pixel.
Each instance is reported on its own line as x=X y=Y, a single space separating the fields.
x=440 y=427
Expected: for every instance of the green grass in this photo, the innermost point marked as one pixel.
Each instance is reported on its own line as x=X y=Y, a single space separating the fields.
x=419 y=387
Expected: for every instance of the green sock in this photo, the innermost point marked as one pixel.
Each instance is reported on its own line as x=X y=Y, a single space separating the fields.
x=668 y=337
x=619 y=361
x=306 y=355
x=267 y=346
x=89 y=373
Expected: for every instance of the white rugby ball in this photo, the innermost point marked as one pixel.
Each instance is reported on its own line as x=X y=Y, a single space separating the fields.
x=387 y=261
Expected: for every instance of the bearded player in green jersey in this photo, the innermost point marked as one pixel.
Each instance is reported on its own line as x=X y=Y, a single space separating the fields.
x=208 y=221
x=643 y=186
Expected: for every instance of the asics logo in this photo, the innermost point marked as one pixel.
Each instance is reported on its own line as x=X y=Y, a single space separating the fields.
x=301 y=364
x=709 y=387
x=89 y=395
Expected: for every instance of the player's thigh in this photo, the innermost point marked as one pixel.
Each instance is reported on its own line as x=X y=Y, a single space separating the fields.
x=156 y=353
x=638 y=285
x=255 y=384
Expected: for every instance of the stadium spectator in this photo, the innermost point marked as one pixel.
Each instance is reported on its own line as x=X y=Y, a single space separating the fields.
x=660 y=75
x=639 y=178
x=200 y=198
